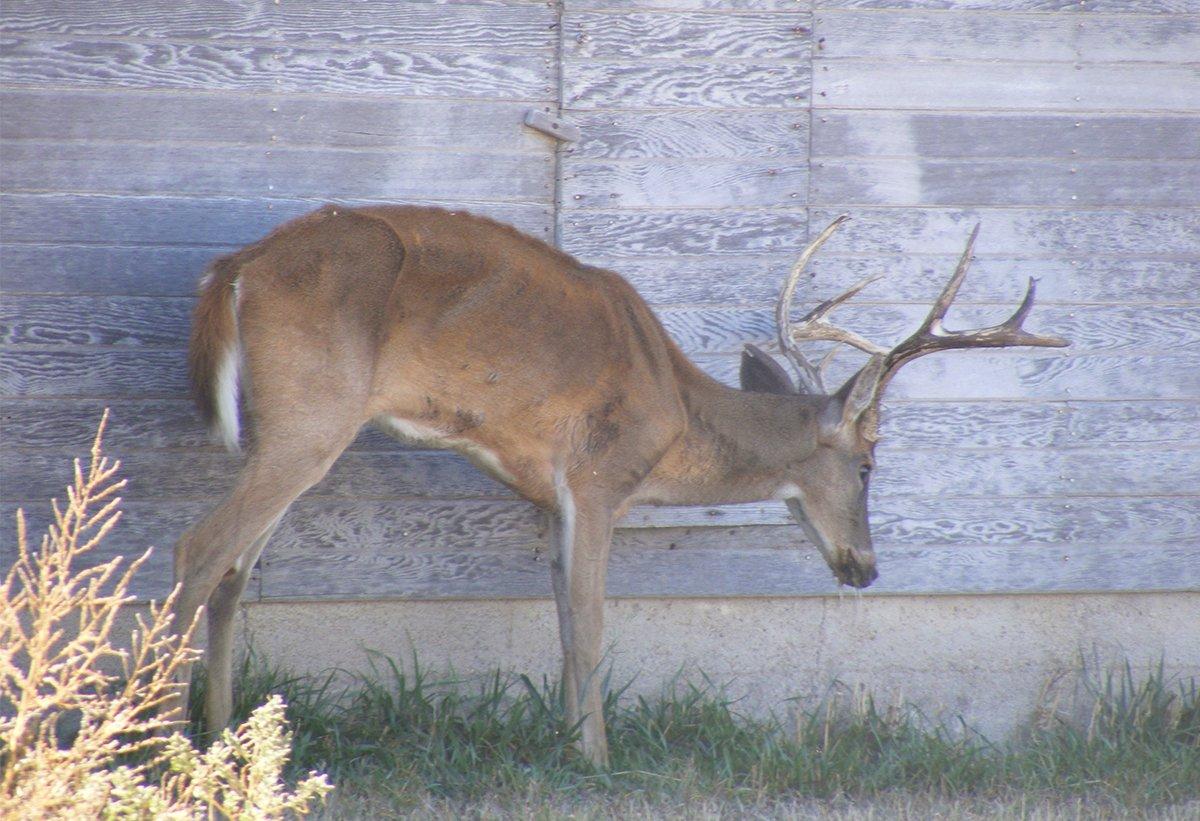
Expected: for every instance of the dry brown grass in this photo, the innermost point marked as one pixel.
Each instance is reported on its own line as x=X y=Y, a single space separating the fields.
x=80 y=731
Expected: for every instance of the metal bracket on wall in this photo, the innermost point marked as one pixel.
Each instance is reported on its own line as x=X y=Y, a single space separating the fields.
x=540 y=119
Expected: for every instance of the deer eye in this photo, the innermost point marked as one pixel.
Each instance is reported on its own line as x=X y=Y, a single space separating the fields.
x=864 y=473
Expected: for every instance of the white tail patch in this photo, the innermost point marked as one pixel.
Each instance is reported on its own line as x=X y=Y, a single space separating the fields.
x=227 y=426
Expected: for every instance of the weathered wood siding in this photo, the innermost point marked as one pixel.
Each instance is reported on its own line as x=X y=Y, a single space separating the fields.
x=141 y=139
x=718 y=136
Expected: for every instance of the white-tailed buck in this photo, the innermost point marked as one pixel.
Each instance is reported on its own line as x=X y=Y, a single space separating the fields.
x=554 y=377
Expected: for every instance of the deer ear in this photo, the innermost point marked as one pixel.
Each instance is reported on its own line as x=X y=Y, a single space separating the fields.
x=762 y=374
x=858 y=395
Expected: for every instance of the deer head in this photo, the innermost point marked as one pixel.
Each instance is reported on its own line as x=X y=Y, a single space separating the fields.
x=830 y=484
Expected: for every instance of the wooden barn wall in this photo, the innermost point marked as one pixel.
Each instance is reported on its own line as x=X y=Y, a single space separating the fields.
x=138 y=140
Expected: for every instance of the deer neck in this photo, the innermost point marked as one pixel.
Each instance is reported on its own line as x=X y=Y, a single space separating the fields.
x=738 y=446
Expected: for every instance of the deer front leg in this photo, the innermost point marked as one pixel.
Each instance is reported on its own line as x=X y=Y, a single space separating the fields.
x=581 y=535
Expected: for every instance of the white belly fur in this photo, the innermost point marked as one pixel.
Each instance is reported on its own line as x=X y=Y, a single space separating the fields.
x=414 y=433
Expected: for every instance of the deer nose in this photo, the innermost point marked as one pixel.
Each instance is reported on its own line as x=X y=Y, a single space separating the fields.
x=856 y=572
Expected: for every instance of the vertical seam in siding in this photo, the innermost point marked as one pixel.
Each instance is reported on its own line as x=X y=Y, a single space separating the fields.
x=556 y=203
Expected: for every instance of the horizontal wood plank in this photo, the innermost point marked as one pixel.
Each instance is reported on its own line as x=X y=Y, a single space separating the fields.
x=1072 y=38
x=979 y=85
x=686 y=36
x=646 y=135
x=683 y=573
x=103 y=270
x=1089 y=278
x=910 y=277
x=1075 y=6
x=171 y=426
x=1066 y=232
x=595 y=84
x=1107 y=183
x=511 y=28
x=975 y=375
x=85 y=372
x=276 y=171
x=684 y=183
x=485 y=126
x=98 y=63
x=983 y=135
x=616 y=233
x=788 y=6
x=220 y=221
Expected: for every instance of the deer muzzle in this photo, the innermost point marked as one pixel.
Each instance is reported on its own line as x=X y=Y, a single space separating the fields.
x=854 y=570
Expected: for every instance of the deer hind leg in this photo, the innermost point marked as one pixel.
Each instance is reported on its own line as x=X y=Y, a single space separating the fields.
x=221 y=610
x=581 y=536
x=214 y=558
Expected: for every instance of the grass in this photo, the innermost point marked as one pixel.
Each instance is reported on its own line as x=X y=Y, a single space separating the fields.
x=397 y=741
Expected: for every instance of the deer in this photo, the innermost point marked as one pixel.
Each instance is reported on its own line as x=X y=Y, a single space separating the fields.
x=452 y=331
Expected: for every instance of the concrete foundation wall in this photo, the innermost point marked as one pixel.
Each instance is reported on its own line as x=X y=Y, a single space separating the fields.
x=986 y=658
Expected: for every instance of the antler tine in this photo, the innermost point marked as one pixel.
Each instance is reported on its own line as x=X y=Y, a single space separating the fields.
x=810 y=377
x=813 y=326
x=937 y=313
x=932 y=336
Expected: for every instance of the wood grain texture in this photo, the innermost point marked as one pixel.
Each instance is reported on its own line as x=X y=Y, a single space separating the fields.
x=977 y=85
x=925 y=182
x=98 y=63
x=595 y=85
x=1090 y=328
x=1067 y=232
x=1016 y=232
x=683 y=573
x=483 y=126
x=615 y=233
x=998 y=471
x=1072 y=38
x=911 y=277
x=171 y=271
x=976 y=375
x=511 y=28
x=105 y=372
x=171 y=424
x=981 y=135
x=275 y=171
x=1112 y=278
x=167 y=220
x=758 y=135
x=161 y=322
x=685 y=36
x=914 y=521
x=1076 y=6
x=684 y=183
x=788 y=6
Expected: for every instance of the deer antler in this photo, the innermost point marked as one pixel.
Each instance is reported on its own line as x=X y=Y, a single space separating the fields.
x=813 y=326
x=930 y=337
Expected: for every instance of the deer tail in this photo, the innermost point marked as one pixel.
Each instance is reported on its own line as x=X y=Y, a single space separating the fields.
x=215 y=353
